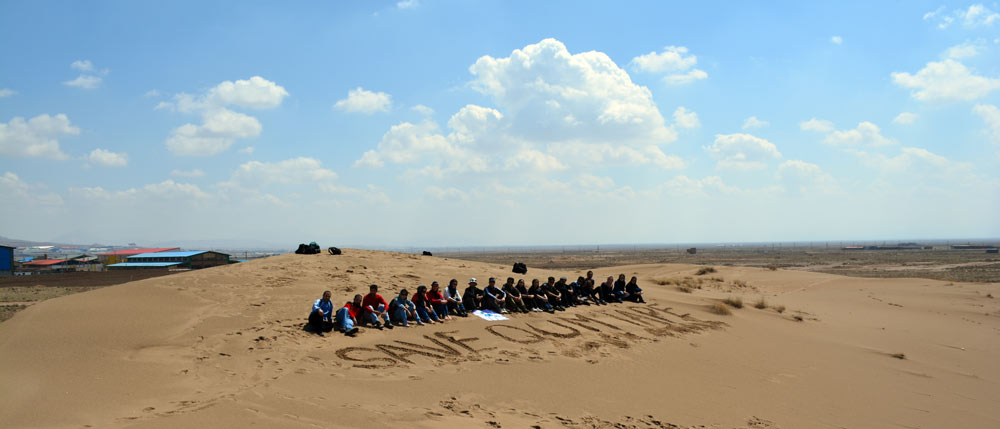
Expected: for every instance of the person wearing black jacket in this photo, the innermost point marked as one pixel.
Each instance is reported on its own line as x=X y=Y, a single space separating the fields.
x=473 y=296
x=541 y=299
x=515 y=302
x=568 y=298
x=607 y=290
x=619 y=288
x=495 y=298
x=553 y=294
x=634 y=292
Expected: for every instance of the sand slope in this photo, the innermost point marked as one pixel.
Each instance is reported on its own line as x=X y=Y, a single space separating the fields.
x=225 y=347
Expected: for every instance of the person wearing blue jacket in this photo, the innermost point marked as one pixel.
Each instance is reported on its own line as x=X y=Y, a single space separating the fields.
x=321 y=316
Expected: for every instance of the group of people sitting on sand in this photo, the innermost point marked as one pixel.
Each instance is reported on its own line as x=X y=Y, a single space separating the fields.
x=437 y=305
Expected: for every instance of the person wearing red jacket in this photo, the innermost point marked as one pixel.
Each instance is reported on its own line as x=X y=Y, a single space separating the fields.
x=374 y=308
x=437 y=301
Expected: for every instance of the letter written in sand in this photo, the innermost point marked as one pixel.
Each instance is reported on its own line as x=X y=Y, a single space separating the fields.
x=573 y=332
x=446 y=335
x=507 y=332
x=371 y=362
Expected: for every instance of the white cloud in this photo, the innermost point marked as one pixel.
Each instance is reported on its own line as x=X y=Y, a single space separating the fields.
x=962 y=51
x=219 y=130
x=836 y=40
x=188 y=173
x=221 y=126
x=685 y=119
x=918 y=165
x=814 y=124
x=741 y=151
x=420 y=108
x=974 y=16
x=685 y=78
x=752 y=122
x=15 y=192
x=248 y=150
x=87 y=78
x=558 y=108
x=7 y=92
x=978 y=15
x=152 y=93
x=82 y=65
x=548 y=94
x=364 y=101
x=905 y=118
x=84 y=81
x=300 y=170
x=866 y=134
x=255 y=93
x=36 y=137
x=991 y=116
x=106 y=158
x=805 y=177
x=946 y=80
x=533 y=160
x=408 y=4
x=672 y=59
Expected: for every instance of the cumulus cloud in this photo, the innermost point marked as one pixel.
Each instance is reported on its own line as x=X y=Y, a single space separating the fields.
x=553 y=108
x=106 y=158
x=82 y=65
x=836 y=40
x=84 y=82
x=752 y=122
x=685 y=119
x=88 y=78
x=741 y=151
x=363 y=101
x=974 y=16
x=218 y=131
x=673 y=60
x=15 y=192
x=962 y=51
x=221 y=126
x=36 y=137
x=905 y=118
x=254 y=93
x=420 y=108
x=866 y=134
x=188 y=173
x=7 y=92
x=549 y=94
x=814 y=124
x=302 y=170
x=408 y=4
x=946 y=80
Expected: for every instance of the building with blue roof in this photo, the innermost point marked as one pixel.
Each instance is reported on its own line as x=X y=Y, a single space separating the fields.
x=190 y=260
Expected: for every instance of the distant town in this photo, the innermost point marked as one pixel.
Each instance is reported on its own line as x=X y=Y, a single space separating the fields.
x=26 y=258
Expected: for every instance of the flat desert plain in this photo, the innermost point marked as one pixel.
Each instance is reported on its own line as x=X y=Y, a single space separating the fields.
x=225 y=347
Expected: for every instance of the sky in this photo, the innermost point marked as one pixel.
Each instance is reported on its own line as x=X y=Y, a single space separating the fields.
x=456 y=123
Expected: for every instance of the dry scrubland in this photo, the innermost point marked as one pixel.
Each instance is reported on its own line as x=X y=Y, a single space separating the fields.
x=939 y=264
x=718 y=346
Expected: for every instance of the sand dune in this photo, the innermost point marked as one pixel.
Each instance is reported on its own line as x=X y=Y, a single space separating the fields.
x=225 y=347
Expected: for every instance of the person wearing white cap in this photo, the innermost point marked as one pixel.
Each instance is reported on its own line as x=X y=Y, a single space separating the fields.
x=473 y=296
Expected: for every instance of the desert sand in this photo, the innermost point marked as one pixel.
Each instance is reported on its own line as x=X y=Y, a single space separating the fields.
x=225 y=347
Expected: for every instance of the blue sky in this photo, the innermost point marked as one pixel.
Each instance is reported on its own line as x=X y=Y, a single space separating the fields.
x=499 y=123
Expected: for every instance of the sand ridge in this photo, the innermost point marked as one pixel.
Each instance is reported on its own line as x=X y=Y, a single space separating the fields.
x=227 y=345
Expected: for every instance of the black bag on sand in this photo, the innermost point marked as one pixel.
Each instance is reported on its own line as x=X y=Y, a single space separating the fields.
x=334 y=251
x=307 y=249
x=302 y=249
x=520 y=268
x=426 y=253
